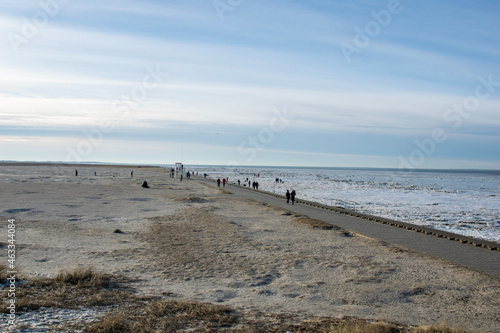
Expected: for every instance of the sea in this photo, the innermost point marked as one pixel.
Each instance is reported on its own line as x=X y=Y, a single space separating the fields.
x=465 y=202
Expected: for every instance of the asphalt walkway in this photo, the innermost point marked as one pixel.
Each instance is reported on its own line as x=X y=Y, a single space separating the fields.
x=479 y=255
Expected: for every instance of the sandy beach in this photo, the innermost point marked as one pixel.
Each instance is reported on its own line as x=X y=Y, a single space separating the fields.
x=192 y=241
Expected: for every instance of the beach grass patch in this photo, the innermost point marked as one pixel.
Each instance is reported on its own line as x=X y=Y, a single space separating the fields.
x=353 y=325
x=3 y=273
x=87 y=277
x=437 y=329
x=166 y=316
x=84 y=287
x=69 y=290
x=177 y=316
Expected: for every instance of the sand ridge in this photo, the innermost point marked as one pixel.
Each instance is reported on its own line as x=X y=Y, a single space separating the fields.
x=190 y=240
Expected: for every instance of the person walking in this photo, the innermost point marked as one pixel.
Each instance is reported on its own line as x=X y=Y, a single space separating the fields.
x=287 y=197
x=292 y=196
x=223 y=182
x=218 y=182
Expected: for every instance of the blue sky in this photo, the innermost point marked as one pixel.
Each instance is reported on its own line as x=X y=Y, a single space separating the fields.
x=398 y=83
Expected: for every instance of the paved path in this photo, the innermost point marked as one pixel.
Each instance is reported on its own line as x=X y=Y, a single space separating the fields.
x=464 y=253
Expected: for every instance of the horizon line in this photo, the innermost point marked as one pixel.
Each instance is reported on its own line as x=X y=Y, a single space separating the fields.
x=253 y=166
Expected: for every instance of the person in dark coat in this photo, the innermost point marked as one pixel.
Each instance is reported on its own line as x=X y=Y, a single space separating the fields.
x=292 y=196
x=287 y=196
x=145 y=184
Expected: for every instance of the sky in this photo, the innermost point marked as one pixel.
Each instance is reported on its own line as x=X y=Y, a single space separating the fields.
x=393 y=83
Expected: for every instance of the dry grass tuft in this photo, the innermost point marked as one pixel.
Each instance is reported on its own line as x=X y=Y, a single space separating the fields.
x=362 y=326
x=437 y=329
x=3 y=273
x=69 y=290
x=86 y=277
x=166 y=316
x=114 y=323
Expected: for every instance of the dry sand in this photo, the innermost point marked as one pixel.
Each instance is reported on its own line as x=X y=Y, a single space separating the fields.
x=189 y=240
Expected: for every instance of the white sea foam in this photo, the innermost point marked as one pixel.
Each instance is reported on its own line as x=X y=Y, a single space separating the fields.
x=466 y=203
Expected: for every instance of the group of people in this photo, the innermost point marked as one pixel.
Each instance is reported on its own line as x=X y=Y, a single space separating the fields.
x=224 y=181
x=290 y=196
x=254 y=184
x=188 y=175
